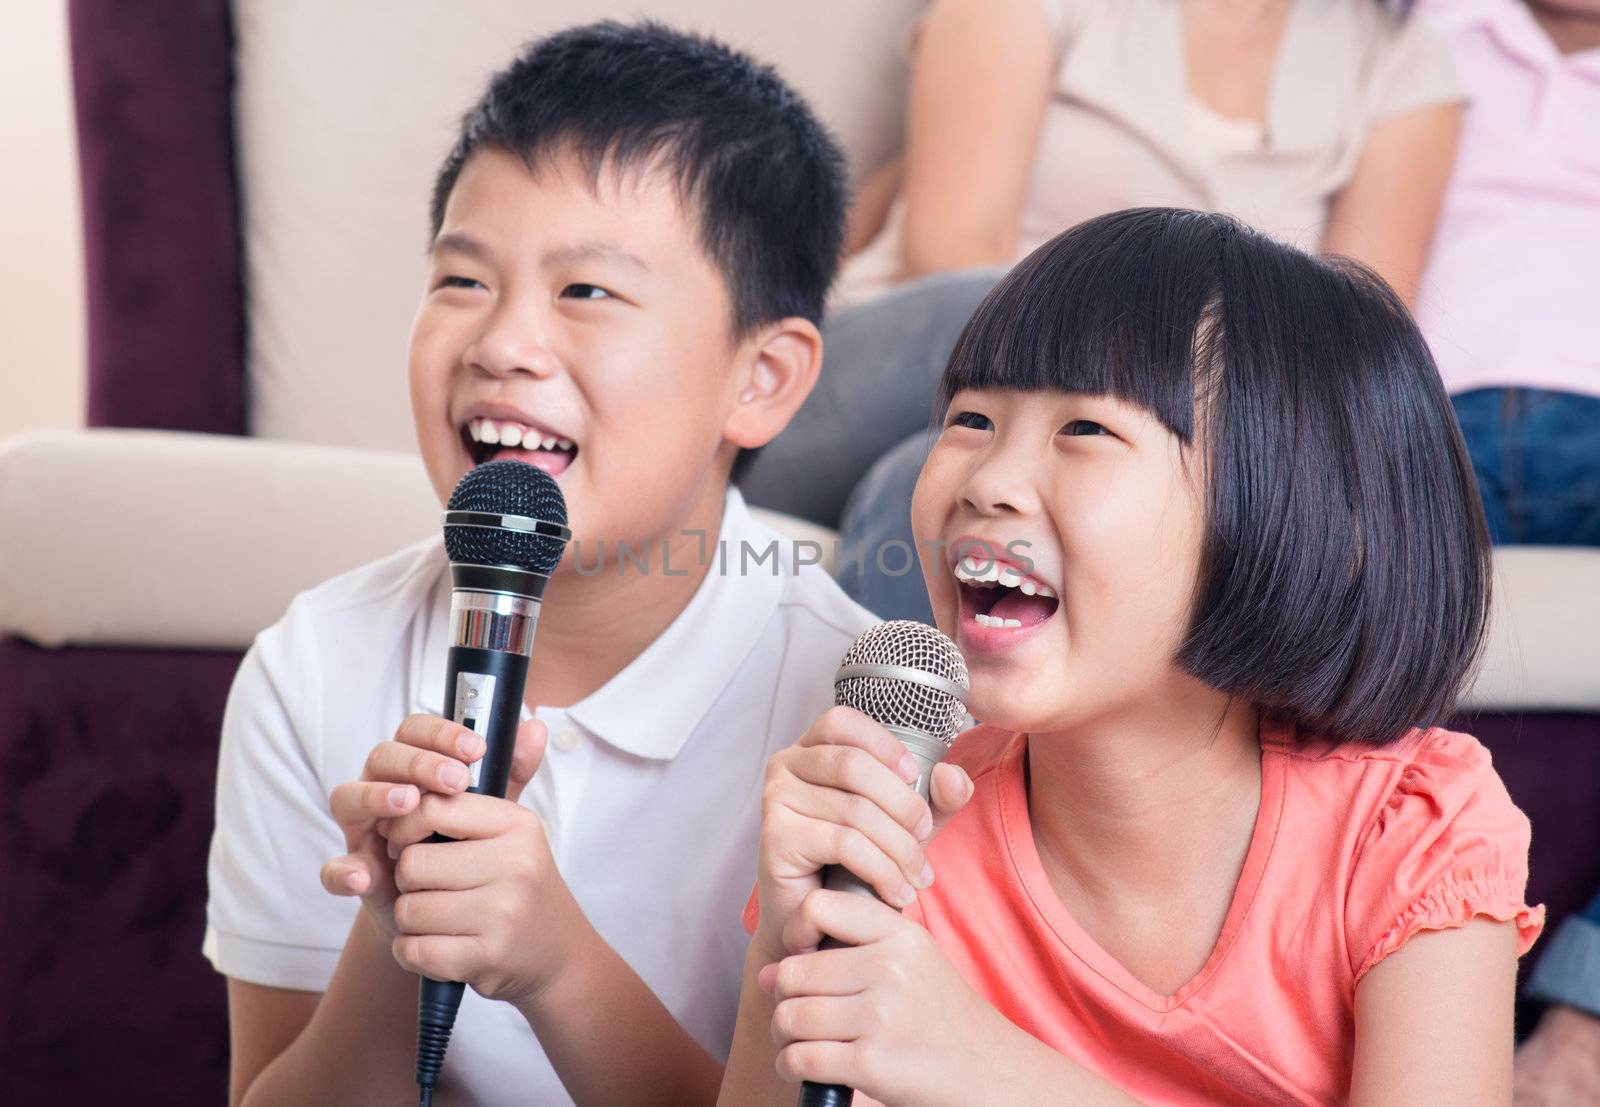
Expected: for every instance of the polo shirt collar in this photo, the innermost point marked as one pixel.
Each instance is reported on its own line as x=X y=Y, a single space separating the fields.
x=656 y=702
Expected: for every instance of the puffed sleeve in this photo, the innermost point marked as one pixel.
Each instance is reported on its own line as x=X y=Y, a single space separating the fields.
x=1447 y=846
x=1414 y=67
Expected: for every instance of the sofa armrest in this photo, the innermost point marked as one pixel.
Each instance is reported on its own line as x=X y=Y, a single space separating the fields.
x=1543 y=647
x=192 y=541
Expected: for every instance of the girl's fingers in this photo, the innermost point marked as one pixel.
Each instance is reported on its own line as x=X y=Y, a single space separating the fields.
x=358 y=802
x=827 y=972
x=951 y=788
x=850 y=769
x=845 y=726
x=821 y=1062
x=837 y=808
x=851 y=919
x=816 y=1018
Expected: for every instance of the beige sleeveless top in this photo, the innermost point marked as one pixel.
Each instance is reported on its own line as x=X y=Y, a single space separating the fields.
x=1122 y=131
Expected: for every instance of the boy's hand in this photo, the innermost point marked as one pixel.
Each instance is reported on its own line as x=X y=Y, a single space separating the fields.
x=428 y=754
x=841 y=795
x=888 y=1015
x=488 y=908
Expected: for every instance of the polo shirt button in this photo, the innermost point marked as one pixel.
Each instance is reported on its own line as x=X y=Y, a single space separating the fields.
x=566 y=738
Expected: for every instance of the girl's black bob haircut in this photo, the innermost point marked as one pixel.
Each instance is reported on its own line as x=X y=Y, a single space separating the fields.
x=1344 y=573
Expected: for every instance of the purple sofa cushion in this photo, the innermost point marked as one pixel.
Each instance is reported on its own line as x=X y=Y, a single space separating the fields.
x=108 y=758
x=160 y=230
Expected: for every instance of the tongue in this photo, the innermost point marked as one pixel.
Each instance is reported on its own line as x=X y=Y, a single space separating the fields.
x=553 y=462
x=1017 y=604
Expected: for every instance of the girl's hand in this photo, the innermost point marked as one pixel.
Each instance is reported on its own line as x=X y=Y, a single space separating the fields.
x=889 y=1015
x=428 y=754
x=842 y=795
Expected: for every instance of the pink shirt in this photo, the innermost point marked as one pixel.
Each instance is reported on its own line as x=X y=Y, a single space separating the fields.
x=1510 y=294
x=1355 y=849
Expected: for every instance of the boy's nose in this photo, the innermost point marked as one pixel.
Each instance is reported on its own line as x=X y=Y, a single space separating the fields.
x=508 y=346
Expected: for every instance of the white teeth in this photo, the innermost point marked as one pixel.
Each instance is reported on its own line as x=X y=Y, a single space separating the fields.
x=1010 y=578
x=1046 y=590
x=549 y=443
x=511 y=436
x=992 y=621
x=489 y=433
x=564 y=443
x=1027 y=587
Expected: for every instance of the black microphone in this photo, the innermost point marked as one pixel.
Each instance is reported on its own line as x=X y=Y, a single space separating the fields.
x=912 y=680
x=505 y=529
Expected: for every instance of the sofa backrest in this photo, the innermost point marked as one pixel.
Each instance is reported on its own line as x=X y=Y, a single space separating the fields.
x=342 y=115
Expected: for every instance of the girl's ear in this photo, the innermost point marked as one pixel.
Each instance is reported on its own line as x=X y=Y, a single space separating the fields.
x=780 y=368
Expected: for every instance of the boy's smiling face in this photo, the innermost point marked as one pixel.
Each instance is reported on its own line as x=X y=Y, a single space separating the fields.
x=581 y=317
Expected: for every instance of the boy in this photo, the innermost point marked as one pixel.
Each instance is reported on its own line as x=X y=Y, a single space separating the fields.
x=632 y=243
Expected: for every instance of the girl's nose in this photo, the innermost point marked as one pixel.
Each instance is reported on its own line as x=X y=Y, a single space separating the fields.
x=1001 y=483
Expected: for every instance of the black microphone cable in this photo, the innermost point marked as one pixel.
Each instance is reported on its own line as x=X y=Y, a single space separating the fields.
x=505 y=529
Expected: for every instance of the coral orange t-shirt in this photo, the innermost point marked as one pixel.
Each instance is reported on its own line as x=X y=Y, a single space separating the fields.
x=1355 y=849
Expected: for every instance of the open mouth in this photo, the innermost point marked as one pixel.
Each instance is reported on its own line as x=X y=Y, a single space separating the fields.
x=504 y=439
x=1000 y=596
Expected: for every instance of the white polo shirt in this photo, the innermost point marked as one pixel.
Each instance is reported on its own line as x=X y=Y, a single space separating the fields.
x=650 y=787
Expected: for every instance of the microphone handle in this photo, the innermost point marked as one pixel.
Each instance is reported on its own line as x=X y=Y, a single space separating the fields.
x=928 y=753
x=485 y=690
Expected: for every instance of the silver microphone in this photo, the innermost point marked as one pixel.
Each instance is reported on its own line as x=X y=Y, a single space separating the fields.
x=913 y=681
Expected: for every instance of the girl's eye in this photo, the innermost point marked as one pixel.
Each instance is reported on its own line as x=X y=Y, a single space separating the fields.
x=971 y=419
x=585 y=292
x=459 y=282
x=1083 y=426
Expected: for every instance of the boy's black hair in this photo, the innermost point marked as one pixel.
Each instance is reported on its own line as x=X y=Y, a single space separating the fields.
x=762 y=176
x=1344 y=574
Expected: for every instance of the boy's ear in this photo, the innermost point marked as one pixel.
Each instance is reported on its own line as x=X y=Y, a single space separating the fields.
x=780 y=363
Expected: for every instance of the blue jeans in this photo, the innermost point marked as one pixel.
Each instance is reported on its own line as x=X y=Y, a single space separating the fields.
x=1537 y=459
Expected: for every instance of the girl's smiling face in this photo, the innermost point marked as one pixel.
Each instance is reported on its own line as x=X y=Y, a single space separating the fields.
x=1098 y=503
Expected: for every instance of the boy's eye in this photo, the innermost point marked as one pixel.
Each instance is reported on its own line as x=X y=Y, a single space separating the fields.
x=585 y=292
x=1083 y=426
x=971 y=419
x=459 y=282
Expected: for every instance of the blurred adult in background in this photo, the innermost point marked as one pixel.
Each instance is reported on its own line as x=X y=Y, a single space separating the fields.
x=1329 y=123
x=1510 y=302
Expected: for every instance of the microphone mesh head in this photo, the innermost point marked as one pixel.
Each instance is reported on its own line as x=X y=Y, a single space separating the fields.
x=507 y=488
x=904 y=703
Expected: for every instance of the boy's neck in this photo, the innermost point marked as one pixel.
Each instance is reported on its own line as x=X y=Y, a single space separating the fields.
x=592 y=626
x=1147 y=804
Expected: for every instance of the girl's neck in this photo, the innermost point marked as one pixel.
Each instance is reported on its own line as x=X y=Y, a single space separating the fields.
x=1148 y=802
x=1572 y=30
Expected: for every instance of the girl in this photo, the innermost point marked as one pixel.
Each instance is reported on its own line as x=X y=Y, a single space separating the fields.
x=1211 y=850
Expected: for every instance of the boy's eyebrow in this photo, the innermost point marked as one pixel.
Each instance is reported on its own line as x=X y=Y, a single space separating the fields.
x=593 y=250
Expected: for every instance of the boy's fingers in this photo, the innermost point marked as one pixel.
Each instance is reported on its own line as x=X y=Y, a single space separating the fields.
x=435 y=912
x=360 y=801
x=436 y=956
x=399 y=763
x=845 y=726
x=526 y=757
x=827 y=972
x=346 y=876
x=439 y=735
x=448 y=866
x=951 y=788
